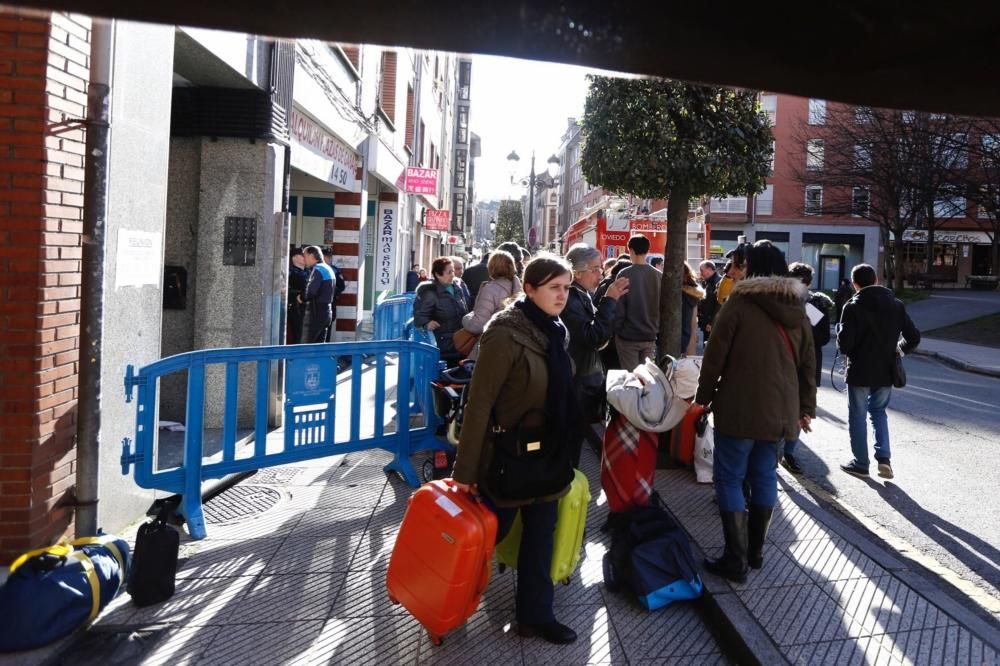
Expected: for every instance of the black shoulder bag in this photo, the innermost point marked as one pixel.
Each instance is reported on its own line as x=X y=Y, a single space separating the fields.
x=527 y=462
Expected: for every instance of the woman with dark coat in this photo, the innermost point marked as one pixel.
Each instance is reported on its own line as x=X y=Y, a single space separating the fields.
x=590 y=330
x=759 y=378
x=440 y=306
x=524 y=378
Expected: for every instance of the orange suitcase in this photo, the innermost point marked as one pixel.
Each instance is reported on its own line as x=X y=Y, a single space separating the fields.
x=442 y=559
x=682 y=438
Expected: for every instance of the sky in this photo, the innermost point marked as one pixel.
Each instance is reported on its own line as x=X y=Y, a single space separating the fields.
x=520 y=105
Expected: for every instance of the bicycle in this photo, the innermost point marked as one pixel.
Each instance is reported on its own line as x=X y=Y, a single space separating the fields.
x=838 y=369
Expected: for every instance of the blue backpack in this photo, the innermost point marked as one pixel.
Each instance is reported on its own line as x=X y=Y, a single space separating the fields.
x=53 y=591
x=651 y=556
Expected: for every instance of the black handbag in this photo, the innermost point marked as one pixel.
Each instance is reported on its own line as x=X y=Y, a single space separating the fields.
x=527 y=462
x=898 y=371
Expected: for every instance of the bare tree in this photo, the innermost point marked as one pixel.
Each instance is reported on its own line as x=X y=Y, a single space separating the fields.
x=894 y=168
x=982 y=182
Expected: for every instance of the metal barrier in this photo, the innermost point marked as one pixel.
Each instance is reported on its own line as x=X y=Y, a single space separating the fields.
x=391 y=315
x=310 y=412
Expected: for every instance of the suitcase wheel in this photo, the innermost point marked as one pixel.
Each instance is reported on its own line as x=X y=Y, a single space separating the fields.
x=427 y=470
x=436 y=640
x=394 y=600
x=501 y=567
x=565 y=581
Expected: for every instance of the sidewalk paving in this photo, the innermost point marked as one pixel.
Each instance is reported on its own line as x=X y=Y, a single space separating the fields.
x=302 y=581
x=826 y=594
x=972 y=358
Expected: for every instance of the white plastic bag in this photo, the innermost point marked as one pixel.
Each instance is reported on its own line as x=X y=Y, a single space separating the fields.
x=704 y=451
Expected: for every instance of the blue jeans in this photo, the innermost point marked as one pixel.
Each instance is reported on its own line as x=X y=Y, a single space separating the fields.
x=873 y=401
x=738 y=460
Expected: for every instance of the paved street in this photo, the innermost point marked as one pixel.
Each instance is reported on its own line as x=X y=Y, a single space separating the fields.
x=950 y=306
x=944 y=432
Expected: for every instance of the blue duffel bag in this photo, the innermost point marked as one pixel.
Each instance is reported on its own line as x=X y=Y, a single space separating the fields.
x=53 y=591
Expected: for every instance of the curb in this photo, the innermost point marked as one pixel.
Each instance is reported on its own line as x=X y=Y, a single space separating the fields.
x=740 y=635
x=956 y=363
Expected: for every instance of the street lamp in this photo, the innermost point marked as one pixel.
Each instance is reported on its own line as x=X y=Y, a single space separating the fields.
x=542 y=180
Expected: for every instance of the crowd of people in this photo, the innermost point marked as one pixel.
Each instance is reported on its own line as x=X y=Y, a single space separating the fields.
x=544 y=332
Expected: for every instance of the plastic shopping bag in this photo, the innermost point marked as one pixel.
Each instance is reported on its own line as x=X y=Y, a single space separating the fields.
x=704 y=449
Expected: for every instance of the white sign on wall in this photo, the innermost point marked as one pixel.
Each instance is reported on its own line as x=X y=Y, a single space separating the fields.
x=139 y=257
x=385 y=245
x=320 y=154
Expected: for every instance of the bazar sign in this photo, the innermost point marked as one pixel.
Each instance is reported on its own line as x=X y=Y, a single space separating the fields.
x=421 y=181
x=385 y=246
x=941 y=236
x=323 y=155
x=437 y=220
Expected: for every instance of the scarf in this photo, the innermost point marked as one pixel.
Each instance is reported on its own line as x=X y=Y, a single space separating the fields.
x=560 y=398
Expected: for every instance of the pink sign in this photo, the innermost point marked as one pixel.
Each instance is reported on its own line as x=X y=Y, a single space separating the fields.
x=421 y=181
x=437 y=220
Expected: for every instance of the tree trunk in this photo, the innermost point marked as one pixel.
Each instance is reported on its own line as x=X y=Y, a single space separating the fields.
x=673 y=273
x=898 y=255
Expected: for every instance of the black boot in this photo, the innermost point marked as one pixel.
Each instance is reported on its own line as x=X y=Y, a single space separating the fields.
x=759 y=521
x=733 y=563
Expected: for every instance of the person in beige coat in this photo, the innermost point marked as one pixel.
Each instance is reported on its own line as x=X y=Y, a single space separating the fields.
x=493 y=295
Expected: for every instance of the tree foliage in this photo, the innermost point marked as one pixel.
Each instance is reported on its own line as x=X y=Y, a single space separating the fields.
x=657 y=139
x=510 y=223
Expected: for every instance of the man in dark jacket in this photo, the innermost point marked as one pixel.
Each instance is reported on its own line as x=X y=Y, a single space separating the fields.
x=475 y=277
x=708 y=306
x=297 y=278
x=818 y=309
x=871 y=326
x=318 y=297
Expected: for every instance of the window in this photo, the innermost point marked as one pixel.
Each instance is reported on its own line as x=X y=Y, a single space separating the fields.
x=989 y=205
x=387 y=86
x=458 y=211
x=862 y=115
x=463 y=124
x=769 y=103
x=952 y=151
x=774 y=150
x=353 y=55
x=729 y=205
x=861 y=201
x=461 y=155
x=408 y=138
x=765 y=201
x=817 y=112
x=908 y=117
x=814 y=154
x=814 y=200
x=863 y=157
x=991 y=150
x=464 y=79
x=949 y=203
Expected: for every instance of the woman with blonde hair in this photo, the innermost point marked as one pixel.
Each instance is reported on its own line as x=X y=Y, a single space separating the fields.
x=493 y=295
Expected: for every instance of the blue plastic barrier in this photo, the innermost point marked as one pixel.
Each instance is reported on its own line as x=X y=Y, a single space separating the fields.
x=311 y=395
x=391 y=315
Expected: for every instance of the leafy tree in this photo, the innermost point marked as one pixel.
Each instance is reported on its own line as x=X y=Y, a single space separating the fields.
x=510 y=223
x=982 y=182
x=661 y=139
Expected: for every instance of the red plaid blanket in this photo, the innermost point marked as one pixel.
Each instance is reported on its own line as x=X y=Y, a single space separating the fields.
x=627 y=464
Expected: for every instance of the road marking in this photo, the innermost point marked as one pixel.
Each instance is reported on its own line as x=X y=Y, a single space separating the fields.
x=953 y=396
x=975 y=593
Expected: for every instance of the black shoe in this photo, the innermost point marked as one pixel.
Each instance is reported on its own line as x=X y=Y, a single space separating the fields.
x=733 y=563
x=855 y=469
x=788 y=462
x=553 y=632
x=757 y=525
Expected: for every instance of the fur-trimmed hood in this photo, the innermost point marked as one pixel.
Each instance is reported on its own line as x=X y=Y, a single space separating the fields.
x=782 y=298
x=694 y=291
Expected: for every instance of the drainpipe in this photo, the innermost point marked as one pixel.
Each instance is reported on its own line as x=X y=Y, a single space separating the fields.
x=95 y=215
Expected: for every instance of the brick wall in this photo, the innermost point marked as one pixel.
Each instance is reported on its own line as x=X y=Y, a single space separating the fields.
x=43 y=75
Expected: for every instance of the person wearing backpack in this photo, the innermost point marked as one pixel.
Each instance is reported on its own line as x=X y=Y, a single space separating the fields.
x=822 y=307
